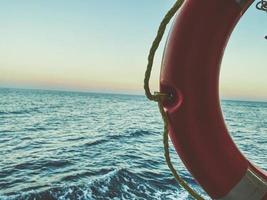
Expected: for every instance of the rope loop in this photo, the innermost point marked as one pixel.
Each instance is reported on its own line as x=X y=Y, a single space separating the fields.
x=155 y=46
x=262 y=5
x=161 y=97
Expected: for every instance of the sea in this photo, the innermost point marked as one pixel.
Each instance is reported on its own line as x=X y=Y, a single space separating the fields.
x=58 y=145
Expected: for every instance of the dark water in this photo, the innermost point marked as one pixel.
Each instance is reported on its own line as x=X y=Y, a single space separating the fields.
x=64 y=145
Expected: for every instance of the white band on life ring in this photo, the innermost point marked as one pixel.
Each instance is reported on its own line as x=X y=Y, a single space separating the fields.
x=251 y=187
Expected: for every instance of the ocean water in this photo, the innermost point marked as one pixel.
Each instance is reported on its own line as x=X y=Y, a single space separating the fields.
x=67 y=145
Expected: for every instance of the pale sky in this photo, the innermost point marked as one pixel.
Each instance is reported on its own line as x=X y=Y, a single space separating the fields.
x=97 y=45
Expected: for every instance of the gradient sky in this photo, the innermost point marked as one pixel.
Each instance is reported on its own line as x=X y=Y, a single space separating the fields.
x=100 y=45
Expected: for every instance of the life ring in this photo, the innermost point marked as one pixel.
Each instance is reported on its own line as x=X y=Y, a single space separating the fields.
x=190 y=72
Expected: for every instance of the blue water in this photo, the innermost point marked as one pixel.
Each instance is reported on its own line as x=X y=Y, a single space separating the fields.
x=66 y=145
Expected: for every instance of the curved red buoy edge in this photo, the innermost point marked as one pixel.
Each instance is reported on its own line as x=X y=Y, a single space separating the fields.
x=190 y=72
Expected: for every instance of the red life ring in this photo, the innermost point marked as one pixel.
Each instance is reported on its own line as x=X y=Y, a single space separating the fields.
x=190 y=72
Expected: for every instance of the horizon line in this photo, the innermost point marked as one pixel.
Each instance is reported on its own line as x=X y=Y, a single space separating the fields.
x=111 y=92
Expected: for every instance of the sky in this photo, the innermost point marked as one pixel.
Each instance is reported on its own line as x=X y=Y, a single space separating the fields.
x=95 y=45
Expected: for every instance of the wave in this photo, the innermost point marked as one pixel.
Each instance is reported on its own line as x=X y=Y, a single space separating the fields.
x=131 y=134
x=97 y=142
x=112 y=184
x=35 y=129
x=42 y=165
x=20 y=112
x=139 y=133
x=127 y=134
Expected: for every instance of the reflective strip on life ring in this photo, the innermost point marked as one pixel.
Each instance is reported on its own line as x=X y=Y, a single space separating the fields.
x=190 y=72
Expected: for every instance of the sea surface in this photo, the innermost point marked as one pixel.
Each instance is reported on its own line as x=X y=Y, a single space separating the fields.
x=71 y=145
